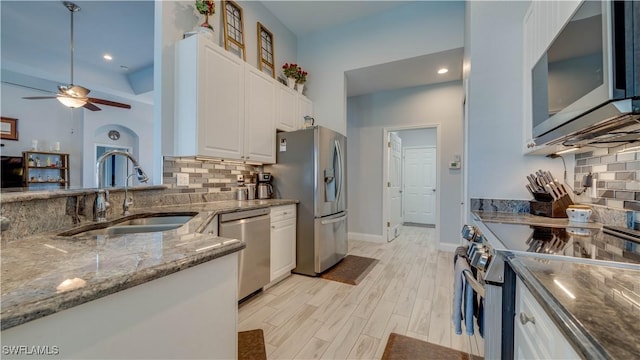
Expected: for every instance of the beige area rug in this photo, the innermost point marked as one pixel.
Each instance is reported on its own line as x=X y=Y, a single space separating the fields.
x=351 y=270
x=251 y=345
x=400 y=347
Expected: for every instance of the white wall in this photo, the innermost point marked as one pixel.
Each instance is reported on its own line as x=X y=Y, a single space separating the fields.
x=494 y=54
x=368 y=115
x=48 y=121
x=138 y=119
x=418 y=28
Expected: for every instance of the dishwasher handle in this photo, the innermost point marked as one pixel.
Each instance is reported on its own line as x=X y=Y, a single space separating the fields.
x=244 y=214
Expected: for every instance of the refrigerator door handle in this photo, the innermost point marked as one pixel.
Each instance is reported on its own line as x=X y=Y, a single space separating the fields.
x=327 y=222
x=339 y=150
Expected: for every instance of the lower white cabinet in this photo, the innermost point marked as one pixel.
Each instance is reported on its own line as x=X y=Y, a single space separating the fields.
x=283 y=241
x=190 y=314
x=535 y=334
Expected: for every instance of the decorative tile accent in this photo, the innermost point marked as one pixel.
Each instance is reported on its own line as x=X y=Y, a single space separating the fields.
x=500 y=205
x=616 y=177
x=208 y=176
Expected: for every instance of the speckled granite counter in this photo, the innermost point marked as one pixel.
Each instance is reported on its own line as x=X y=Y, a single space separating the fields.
x=47 y=273
x=526 y=218
x=603 y=319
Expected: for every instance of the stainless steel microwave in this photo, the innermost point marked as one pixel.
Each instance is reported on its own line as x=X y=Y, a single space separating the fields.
x=589 y=76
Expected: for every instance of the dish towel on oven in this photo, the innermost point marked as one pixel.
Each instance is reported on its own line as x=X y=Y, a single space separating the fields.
x=462 y=290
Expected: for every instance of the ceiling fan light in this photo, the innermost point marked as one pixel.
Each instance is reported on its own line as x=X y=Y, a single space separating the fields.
x=72 y=102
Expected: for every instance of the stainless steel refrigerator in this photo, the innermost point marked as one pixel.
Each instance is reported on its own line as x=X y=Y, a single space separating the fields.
x=311 y=167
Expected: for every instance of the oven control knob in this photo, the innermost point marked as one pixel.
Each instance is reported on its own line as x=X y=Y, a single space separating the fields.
x=468 y=232
x=483 y=262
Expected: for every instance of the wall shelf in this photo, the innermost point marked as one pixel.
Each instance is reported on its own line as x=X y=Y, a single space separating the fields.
x=37 y=174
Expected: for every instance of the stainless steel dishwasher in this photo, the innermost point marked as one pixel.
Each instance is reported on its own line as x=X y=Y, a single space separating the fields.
x=254 y=261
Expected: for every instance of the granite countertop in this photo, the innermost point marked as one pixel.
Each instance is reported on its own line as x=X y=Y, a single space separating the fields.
x=603 y=320
x=47 y=273
x=529 y=219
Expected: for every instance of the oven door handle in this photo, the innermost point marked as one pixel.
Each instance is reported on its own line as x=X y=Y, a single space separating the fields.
x=474 y=283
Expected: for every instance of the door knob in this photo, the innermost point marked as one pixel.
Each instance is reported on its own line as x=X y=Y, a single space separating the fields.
x=434 y=190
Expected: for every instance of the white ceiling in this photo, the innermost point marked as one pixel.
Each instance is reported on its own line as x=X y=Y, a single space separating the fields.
x=36 y=35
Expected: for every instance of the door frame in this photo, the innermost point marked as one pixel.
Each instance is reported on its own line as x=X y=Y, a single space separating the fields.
x=385 y=171
x=404 y=193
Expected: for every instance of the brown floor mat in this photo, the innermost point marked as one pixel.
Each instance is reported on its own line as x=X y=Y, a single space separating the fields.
x=351 y=270
x=251 y=345
x=400 y=347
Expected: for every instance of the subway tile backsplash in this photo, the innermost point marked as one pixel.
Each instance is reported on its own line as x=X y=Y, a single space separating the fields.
x=208 y=176
x=616 y=177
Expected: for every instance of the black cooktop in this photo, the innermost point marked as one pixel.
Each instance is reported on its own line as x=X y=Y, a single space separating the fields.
x=610 y=243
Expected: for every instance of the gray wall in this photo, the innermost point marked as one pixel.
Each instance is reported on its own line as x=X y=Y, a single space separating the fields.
x=367 y=116
x=497 y=166
x=415 y=29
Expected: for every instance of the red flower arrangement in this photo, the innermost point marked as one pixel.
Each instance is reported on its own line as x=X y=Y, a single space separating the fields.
x=290 y=70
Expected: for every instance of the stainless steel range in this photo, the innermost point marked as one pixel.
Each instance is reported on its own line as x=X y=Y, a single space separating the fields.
x=490 y=242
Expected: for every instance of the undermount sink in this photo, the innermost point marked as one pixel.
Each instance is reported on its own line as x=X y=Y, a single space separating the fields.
x=139 y=223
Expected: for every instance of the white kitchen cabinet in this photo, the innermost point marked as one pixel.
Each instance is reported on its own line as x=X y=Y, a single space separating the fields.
x=305 y=108
x=283 y=241
x=190 y=314
x=260 y=116
x=287 y=104
x=292 y=108
x=209 y=100
x=535 y=334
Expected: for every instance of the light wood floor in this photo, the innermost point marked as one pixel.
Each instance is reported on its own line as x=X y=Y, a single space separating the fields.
x=409 y=292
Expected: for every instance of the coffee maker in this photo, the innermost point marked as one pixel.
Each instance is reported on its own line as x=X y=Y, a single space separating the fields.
x=263 y=188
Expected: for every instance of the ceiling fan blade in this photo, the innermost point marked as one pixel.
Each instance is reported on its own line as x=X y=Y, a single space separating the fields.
x=91 y=107
x=109 y=103
x=39 y=97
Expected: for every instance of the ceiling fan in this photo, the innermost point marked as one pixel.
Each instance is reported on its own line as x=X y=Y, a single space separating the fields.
x=75 y=96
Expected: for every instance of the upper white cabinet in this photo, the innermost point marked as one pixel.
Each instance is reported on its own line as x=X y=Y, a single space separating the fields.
x=287 y=119
x=304 y=108
x=292 y=108
x=260 y=112
x=209 y=100
x=541 y=24
x=226 y=108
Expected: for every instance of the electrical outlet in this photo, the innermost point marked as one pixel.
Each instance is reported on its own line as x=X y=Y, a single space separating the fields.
x=240 y=177
x=182 y=179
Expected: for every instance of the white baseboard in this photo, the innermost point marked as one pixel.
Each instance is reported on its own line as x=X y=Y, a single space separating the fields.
x=447 y=247
x=367 y=237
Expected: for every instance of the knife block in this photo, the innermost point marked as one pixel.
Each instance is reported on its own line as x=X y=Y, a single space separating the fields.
x=553 y=208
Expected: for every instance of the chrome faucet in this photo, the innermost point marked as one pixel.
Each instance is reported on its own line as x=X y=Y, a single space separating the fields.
x=101 y=203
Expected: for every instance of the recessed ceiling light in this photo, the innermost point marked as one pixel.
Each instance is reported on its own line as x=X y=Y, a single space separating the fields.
x=108 y=57
x=443 y=71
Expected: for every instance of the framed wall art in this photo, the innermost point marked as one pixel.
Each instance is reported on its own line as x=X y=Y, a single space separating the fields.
x=9 y=128
x=233 y=22
x=266 y=50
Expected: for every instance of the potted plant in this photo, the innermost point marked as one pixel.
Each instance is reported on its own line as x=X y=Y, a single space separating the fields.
x=290 y=72
x=301 y=78
x=206 y=8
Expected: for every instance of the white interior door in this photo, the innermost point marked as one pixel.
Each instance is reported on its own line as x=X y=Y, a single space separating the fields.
x=419 y=196
x=394 y=185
